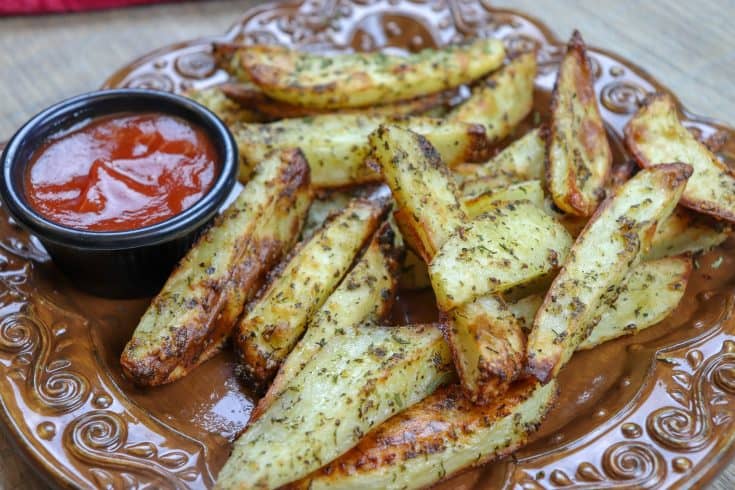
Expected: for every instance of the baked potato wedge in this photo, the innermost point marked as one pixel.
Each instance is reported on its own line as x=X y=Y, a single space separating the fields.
x=193 y=315
x=431 y=218
x=336 y=146
x=647 y=295
x=655 y=135
x=330 y=81
x=686 y=232
x=273 y=324
x=437 y=438
x=579 y=158
x=488 y=346
x=361 y=377
x=428 y=209
x=513 y=243
x=244 y=95
x=612 y=242
x=365 y=295
x=501 y=101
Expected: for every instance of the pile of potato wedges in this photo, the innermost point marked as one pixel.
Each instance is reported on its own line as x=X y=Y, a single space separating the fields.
x=363 y=175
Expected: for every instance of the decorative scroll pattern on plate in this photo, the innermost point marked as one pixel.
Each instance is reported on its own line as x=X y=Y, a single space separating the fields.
x=50 y=382
x=29 y=340
x=703 y=401
x=624 y=465
x=100 y=439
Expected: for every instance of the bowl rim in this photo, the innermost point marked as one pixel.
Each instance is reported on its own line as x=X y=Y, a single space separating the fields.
x=72 y=110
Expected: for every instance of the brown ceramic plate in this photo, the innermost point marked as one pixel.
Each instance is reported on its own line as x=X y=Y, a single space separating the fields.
x=654 y=410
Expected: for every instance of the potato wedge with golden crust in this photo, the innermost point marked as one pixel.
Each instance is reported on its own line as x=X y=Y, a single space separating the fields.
x=579 y=158
x=428 y=209
x=488 y=346
x=187 y=322
x=361 y=377
x=363 y=79
x=647 y=295
x=336 y=145
x=276 y=320
x=513 y=243
x=655 y=135
x=438 y=437
x=501 y=101
x=613 y=241
x=365 y=295
x=687 y=232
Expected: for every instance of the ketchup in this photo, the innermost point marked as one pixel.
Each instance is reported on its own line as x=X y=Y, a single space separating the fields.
x=121 y=172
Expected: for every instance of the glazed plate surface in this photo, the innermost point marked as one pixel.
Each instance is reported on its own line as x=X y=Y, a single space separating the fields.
x=654 y=410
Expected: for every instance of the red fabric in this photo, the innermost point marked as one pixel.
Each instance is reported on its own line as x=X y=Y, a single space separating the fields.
x=49 y=6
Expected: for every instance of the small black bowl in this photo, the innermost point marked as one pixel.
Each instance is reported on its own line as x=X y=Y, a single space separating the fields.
x=121 y=264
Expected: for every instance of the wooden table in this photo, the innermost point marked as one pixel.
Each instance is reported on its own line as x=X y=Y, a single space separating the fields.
x=44 y=59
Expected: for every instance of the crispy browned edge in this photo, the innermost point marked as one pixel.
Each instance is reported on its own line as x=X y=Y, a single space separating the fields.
x=258 y=375
x=676 y=172
x=577 y=48
x=498 y=373
x=385 y=239
x=632 y=147
x=378 y=448
x=408 y=229
x=479 y=149
x=267 y=75
x=201 y=339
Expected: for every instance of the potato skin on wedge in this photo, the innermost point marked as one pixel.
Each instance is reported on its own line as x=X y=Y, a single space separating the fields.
x=365 y=296
x=613 y=241
x=655 y=135
x=363 y=79
x=437 y=438
x=361 y=377
x=192 y=316
x=275 y=321
x=501 y=101
x=579 y=158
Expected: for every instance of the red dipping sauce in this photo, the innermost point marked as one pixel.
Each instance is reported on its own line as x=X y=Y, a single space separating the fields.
x=121 y=172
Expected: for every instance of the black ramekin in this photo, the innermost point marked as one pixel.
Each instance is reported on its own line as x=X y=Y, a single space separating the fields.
x=121 y=264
